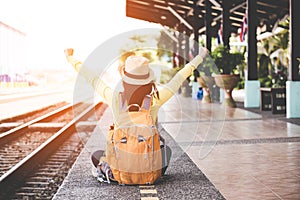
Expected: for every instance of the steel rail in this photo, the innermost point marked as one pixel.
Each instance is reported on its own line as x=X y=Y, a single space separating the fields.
x=8 y=135
x=17 y=174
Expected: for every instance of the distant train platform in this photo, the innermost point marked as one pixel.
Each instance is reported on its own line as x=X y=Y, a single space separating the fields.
x=18 y=101
x=218 y=153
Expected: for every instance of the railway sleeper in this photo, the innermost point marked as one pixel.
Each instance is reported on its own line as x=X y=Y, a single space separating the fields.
x=9 y=125
x=6 y=154
x=86 y=126
x=47 y=126
x=5 y=168
x=36 y=184
x=46 y=173
x=63 y=154
x=39 y=178
x=49 y=169
x=9 y=160
x=23 y=195
x=57 y=160
x=31 y=189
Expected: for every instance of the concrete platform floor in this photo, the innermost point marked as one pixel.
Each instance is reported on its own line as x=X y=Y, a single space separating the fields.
x=245 y=155
x=240 y=153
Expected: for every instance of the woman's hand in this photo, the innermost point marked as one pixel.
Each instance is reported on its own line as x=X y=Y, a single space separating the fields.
x=195 y=62
x=69 y=52
x=203 y=52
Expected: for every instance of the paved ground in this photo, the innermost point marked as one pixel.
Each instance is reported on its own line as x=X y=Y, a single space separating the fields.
x=218 y=152
x=244 y=154
x=269 y=115
x=241 y=154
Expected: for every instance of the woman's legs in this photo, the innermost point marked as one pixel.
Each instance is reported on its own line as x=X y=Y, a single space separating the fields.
x=166 y=157
x=96 y=157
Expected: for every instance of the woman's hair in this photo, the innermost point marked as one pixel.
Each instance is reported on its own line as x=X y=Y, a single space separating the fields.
x=135 y=94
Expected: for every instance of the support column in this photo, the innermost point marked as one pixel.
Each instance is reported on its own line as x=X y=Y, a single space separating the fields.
x=252 y=85
x=186 y=90
x=293 y=83
x=196 y=42
x=196 y=27
x=186 y=45
x=175 y=52
x=180 y=45
x=208 y=21
x=226 y=25
x=294 y=70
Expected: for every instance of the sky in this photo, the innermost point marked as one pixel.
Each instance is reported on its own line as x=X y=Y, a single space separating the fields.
x=53 y=25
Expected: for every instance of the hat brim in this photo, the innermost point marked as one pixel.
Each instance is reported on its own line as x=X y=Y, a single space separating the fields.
x=133 y=81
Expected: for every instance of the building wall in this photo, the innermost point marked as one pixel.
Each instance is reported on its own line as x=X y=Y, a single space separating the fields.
x=12 y=51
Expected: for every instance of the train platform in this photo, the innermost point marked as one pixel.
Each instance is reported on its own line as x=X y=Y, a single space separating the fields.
x=218 y=153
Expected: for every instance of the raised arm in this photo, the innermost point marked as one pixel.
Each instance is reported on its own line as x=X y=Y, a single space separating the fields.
x=102 y=89
x=174 y=84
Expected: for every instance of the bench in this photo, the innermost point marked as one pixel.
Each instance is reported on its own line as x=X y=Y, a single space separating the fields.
x=273 y=99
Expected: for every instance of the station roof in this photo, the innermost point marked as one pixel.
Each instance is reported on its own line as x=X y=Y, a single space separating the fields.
x=162 y=12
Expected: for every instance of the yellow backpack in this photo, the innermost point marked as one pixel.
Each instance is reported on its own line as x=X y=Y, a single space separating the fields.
x=133 y=149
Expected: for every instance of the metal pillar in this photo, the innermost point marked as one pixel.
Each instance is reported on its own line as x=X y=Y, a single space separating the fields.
x=208 y=21
x=196 y=27
x=294 y=71
x=186 y=47
x=181 y=41
x=293 y=83
x=252 y=85
x=175 y=52
x=252 y=41
x=226 y=25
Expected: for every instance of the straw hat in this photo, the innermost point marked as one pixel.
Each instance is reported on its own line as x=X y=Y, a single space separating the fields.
x=137 y=71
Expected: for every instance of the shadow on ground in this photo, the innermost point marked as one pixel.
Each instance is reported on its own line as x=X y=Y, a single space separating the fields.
x=269 y=115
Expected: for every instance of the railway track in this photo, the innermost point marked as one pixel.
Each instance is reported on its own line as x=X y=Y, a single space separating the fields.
x=24 y=122
x=10 y=123
x=20 y=141
x=36 y=155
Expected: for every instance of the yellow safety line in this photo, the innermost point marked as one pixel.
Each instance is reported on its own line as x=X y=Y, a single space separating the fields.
x=148 y=189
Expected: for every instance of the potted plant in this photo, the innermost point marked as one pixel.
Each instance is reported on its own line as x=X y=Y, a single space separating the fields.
x=227 y=76
x=206 y=81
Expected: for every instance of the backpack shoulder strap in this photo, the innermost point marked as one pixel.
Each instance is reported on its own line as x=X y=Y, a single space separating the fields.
x=146 y=104
x=122 y=104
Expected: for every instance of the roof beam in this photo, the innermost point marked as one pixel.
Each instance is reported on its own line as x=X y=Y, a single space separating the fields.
x=215 y=3
x=180 y=18
x=170 y=34
x=203 y=29
x=157 y=11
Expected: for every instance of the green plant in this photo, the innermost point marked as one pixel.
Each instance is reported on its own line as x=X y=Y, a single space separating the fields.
x=227 y=62
x=207 y=67
x=274 y=61
x=264 y=77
